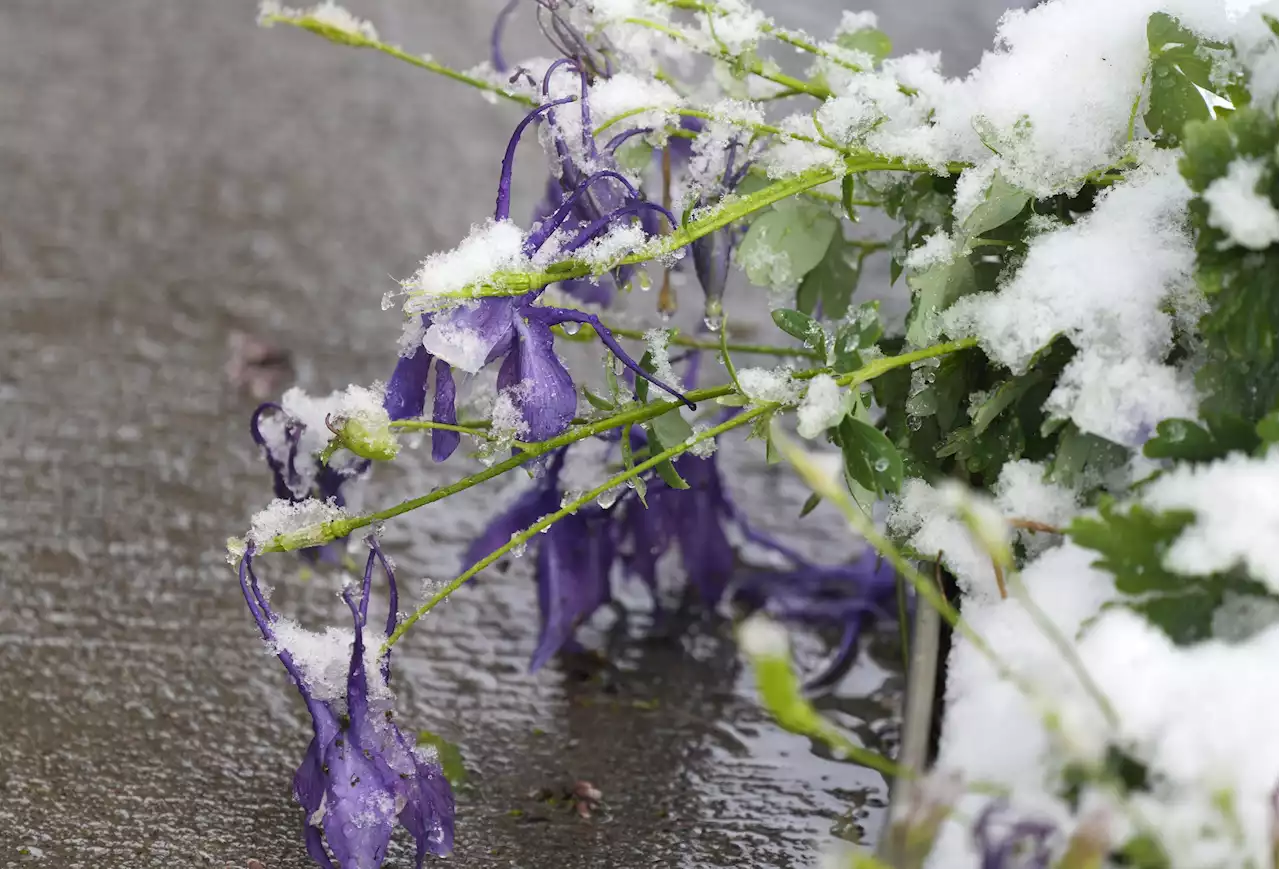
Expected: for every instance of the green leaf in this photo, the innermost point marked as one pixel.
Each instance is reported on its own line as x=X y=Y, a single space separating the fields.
x=870 y=458
x=1178 y=72
x=597 y=401
x=1083 y=460
x=635 y=155
x=936 y=290
x=665 y=432
x=1002 y=203
x=785 y=244
x=869 y=41
x=832 y=282
x=802 y=326
x=811 y=503
x=1187 y=441
x=449 y=755
x=1132 y=546
x=862 y=330
x=629 y=462
x=1269 y=428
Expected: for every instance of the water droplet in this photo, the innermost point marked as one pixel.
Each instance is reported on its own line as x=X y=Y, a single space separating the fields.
x=713 y=323
x=881 y=465
x=646 y=283
x=519 y=549
x=914 y=423
x=608 y=498
x=571 y=328
x=1175 y=431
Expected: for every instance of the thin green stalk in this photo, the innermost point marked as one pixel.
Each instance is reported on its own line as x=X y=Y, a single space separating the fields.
x=679 y=340
x=789 y=37
x=756 y=67
x=357 y=40
x=759 y=129
x=475 y=431
x=547 y=521
x=336 y=528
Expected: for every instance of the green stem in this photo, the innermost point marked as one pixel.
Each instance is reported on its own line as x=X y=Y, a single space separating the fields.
x=475 y=431
x=789 y=37
x=357 y=40
x=336 y=528
x=755 y=66
x=547 y=521
x=679 y=340
x=760 y=129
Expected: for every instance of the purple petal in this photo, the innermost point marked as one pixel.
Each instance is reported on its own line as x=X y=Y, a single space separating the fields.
x=443 y=443
x=573 y=577
x=502 y=210
x=406 y=394
x=528 y=508
x=429 y=806
x=495 y=37
x=489 y=326
x=540 y=386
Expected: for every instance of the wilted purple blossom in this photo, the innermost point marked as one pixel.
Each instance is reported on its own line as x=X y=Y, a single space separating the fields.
x=1018 y=844
x=516 y=329
x=360 y=776
x=298 y=475
x=576 y=557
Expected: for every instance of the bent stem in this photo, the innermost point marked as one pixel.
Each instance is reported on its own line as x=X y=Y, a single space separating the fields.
x=547 y=521
x=337 y=528
x=359 y=40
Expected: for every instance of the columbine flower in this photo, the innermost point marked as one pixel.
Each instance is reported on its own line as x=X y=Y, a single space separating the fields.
x=575 y=558
x=360 y=777
x=577 y=554
x=1017 y=845
x=517 y=329
x=297 y=472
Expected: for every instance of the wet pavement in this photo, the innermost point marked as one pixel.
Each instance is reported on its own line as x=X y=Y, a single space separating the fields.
x=170 y=176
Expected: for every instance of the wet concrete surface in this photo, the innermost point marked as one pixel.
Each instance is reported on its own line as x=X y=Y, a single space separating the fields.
x=170 y=175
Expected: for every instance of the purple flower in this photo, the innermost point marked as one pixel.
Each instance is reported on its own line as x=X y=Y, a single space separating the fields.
x=1017 y=845
x=575 y=558
x=577 y=554
x=406 y=395
x=296 y=476
x=847 y=597
x=515 y=329
x=359 y=777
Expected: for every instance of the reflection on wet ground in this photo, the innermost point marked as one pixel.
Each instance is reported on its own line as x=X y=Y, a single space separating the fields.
x=171 y=177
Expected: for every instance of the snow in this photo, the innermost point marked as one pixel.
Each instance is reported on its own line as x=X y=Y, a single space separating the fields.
x=462 y=348
x=937 y=249
x=704 y=448
x=1235 y=207
x=768 y=385
x=286 y=517
x=1120 y=399
x=737 y=27
x=327 y=13
x=605 y=250
x=792 y=156
x=625 y=92
x=491 y=247
x=1022 y=493
x=823 y=407
x=506 y=420
x=324 y=659
x=656 y=342
x=761 y=637
x=1237 y=505
x=1103 y=282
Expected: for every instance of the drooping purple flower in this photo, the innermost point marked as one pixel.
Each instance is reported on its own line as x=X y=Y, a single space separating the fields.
x=1018 y=844
x=575 y=558
x=515 y=328
x=298 y=475
x=360 y=777
x=406 y=395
